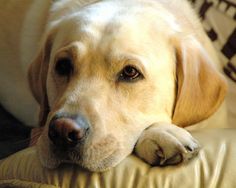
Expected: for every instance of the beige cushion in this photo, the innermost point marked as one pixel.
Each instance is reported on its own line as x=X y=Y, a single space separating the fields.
x=213 y=167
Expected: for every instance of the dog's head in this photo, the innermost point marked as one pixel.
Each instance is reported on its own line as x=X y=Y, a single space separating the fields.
x=107 y=71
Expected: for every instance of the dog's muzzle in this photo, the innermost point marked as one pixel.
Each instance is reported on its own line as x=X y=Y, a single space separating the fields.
x=68 y=131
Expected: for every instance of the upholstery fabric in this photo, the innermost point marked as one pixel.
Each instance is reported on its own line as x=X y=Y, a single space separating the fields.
x=213 y=167
x=219 y=20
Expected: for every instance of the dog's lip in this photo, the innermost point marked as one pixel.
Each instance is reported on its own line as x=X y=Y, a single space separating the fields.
x=66 y=157
x=64 y=153
x=98 y=166
x=63 y=148
x=77 y=155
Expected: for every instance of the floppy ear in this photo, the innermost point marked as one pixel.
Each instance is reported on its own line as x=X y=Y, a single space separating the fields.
x=200 y=87
x=37 y=76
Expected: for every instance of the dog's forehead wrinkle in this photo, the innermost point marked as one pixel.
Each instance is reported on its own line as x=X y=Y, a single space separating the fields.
x=106 y=17
x=126 y=13
x=101 y=29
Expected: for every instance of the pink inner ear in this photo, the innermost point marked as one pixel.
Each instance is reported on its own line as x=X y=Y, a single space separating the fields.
x=35 y=134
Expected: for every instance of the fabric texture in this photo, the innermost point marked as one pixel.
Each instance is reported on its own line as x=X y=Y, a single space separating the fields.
x=213 y=167
x=219 y=20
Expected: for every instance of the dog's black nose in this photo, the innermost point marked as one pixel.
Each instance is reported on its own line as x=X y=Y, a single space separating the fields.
x=67 y=132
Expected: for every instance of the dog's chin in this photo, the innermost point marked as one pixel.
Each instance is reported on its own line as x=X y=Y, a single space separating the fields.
x=98 y=158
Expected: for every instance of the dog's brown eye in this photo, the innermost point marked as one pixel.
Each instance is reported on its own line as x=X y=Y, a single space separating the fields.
x=64 y=67
x=129 y=73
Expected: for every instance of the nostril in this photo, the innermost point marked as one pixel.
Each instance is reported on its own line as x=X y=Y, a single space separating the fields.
x=74 y=136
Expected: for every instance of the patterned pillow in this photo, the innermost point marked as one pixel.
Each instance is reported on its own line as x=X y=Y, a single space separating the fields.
x=219 y=21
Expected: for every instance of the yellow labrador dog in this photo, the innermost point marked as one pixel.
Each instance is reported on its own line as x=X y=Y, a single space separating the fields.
x=110 y=77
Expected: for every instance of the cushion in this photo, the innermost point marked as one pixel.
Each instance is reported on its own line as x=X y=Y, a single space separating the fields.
x=213 y=167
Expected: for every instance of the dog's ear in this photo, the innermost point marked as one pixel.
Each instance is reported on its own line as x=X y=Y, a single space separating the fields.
x=200 y=87
x=37 y=76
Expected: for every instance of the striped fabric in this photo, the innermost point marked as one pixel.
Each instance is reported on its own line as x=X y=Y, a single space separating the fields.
x=219 y=21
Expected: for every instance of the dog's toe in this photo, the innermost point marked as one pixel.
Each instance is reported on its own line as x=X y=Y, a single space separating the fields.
x=166 y=145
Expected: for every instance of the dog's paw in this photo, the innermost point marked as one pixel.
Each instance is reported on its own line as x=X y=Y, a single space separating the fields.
x=166 y=144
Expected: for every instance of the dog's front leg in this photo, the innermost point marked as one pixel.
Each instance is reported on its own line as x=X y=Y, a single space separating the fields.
x=166 y=144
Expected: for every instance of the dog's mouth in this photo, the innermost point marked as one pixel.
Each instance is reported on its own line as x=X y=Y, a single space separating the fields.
x=98 y=156
x=95 y=162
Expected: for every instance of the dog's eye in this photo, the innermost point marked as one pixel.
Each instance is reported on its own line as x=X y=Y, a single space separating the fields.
x=129 y=73
x=64 y=67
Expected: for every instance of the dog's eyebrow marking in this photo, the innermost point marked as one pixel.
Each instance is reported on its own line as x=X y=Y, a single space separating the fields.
x=79 y=49
x=76 y=50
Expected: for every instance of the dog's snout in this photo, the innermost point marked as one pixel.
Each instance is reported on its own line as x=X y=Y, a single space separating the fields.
x=67 y=132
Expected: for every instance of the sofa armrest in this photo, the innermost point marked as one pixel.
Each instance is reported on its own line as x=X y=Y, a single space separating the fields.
x=213 y=167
